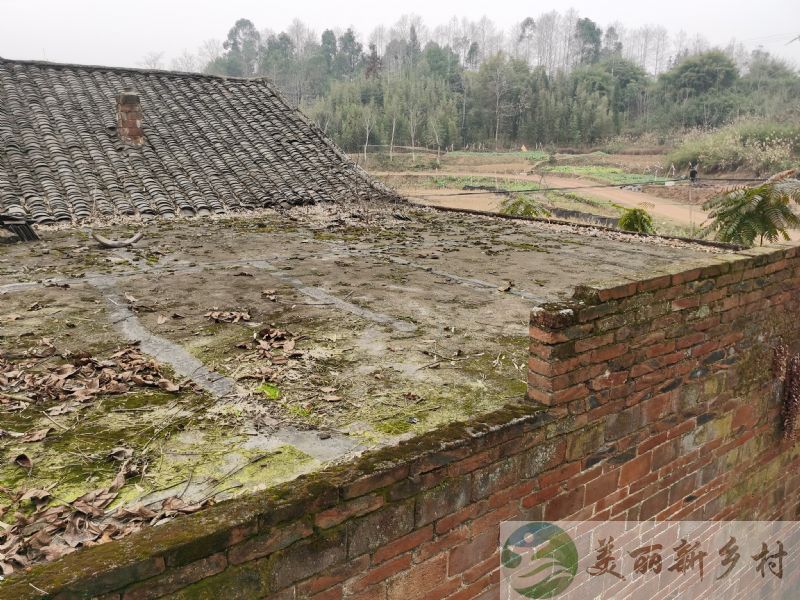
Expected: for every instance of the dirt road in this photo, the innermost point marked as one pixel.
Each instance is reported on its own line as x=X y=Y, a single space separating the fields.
x=685 y=214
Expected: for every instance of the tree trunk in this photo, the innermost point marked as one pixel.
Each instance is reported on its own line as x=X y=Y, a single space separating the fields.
x=366 y=145
x=391 y=140
x=496 y=122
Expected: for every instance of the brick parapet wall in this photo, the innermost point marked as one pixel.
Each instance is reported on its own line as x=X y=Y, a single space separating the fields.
x=651 y=399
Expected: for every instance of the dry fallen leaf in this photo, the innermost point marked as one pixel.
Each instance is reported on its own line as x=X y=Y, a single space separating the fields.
x=35 y=495
x=120 y=454
x=168 y=386
x=37 y=436
x=23 y=461
x=223 y=316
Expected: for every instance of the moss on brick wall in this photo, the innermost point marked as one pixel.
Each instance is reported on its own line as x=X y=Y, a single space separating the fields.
x=647 y=400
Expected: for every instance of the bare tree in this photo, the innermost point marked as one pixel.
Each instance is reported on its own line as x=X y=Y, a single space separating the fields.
x=545 y=40
x=401 y=30
x=209 y=51
x=301 y=35
x=187 y=62
x=152 y=60
x=379 y=37
x=660 y=48
x=369 y=116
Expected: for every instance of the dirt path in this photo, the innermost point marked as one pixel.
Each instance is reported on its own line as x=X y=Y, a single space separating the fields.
x=666 y=209
x=684 y=214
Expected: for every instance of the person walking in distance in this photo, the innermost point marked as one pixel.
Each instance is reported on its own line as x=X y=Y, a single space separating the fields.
x=693 y=171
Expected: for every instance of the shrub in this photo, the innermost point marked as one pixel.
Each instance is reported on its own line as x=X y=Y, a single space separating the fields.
x=523 y=206
x=762 y=212
x=637 y=220
x=755 y=145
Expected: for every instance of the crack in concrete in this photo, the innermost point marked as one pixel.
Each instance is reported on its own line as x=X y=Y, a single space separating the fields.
x=127 y=323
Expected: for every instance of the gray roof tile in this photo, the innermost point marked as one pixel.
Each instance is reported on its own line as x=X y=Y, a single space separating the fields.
x=212 y=145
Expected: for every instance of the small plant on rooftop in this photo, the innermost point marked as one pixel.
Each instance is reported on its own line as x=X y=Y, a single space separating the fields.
x=637 y=220
x=524 y=206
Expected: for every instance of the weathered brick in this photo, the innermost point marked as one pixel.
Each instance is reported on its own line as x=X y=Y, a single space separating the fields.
x=653 y=505
x=354 y=508
x=601 y=487
x=379 y=573
x=474 y=551
x=607 y=353
x=267 y=543
x=441 y=544
x=422 y=578
x=382 y=526
x=332 y=576
x=375 y=481
x=443 y=500
x=176 y=579
x=635 y=469
x=292 y=564
x=584 y=442
x=238 y=582
x=624 y=423
x=115 y=578
x=565 y=505
x=406 y=543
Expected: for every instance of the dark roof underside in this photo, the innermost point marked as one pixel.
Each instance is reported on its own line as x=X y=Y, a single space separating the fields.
x=211 y=145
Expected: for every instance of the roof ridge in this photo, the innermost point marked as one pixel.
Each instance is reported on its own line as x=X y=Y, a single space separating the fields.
x=188 y=74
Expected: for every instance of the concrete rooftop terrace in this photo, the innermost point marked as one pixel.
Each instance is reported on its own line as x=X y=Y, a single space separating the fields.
x=297 y=339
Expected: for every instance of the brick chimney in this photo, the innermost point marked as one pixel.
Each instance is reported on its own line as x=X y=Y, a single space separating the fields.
x=130 y=118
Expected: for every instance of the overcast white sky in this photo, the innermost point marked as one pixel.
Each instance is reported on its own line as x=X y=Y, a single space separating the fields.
x=120 y=33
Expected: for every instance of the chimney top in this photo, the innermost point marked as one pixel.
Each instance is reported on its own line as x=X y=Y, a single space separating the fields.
x=130 y=117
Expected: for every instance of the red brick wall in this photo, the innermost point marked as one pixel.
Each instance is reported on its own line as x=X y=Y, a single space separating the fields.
x=652 y=399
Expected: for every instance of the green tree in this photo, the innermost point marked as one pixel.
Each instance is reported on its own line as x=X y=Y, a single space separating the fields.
x=637 y=220
x=413 y=49
x=242 y=48
x=329 y=49
x=747 y=214
x=702 y=73
x=590 y=39
x=350 y=55
x=373 y=64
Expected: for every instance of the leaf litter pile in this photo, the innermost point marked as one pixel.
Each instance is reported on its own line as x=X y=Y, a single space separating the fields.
x=77 y=381
x=36 y=526
x=53 y=530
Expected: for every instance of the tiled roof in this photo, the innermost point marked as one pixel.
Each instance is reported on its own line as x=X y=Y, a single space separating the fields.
x=212 y=144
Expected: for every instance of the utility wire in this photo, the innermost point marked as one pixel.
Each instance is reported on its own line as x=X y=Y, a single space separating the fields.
x=496 y=190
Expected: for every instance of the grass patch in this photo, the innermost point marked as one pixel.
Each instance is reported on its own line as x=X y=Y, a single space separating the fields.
x=269 y=390
x=528 y=155
x=759 y=146
x=491 y=183
x=613 y=175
